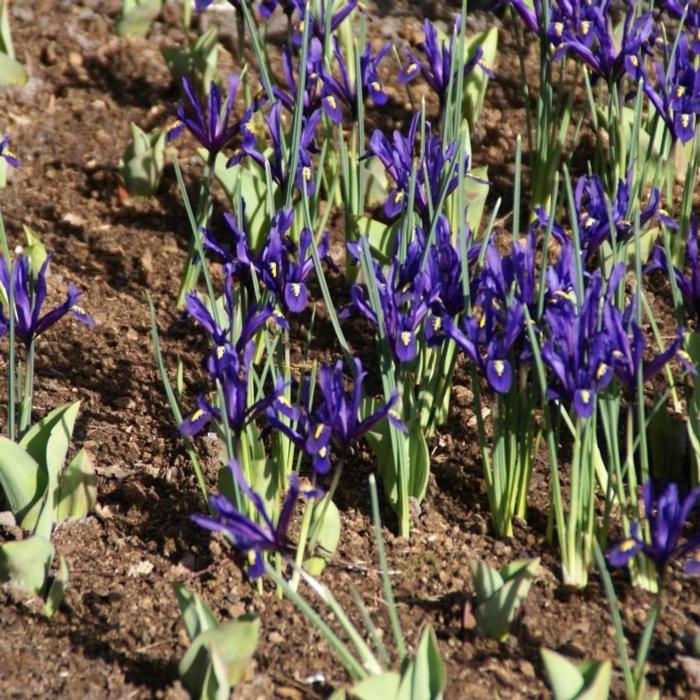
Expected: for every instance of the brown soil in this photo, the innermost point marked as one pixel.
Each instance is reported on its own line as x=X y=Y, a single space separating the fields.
x=118 y=634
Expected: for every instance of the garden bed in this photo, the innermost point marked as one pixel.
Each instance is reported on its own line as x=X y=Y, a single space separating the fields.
x=118 y=633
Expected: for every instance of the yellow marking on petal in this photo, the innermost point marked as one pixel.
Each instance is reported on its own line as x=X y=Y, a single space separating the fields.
x=394 y=414
x=78 y=308
x=331 y=101
x=437 y=323
x=197 y=415
x=600 y=372
x=680 y=91
x=500 y=367
x=220 y=352
x=482 y=320
x=273 y=269
x=319 y=429
x=249 y=128
x=251 y=557
x=685 y=120
x=301 y=27
x=322 y=453
x=306 y=173
x=377 y=87
x=284 y=401
x=585 y=396
x=566 y=294
x=617 y=354
x=398 y=196
x=697 y=35
x=313 y=75
x=406 y=338
x=634 y=61
x=627 y=545
x=296 y=289
x=585 y=27
x=684 y=356
x=412 y=69
x=558 y=28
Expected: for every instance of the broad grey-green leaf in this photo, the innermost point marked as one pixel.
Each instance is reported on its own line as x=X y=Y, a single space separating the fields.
x=196 y=614
x=477 y=81
x=11 y=71
x=424 y=678
x=27 y=562
x=419 y=463
x=23 y=481
x=141 y=165
x=47 y=441
x=77 y=491
x=565 y=680
x=476 y=191
x=58 y=587
x=381 y=236
x=234 y=641
x=486 y=580
x=326 y=525
x=314 y=565
x=377 y=187
x=496 y=614
x=385 y=686
x=34 y=248
x=597 y=676
x=691 y=344
x=137 y=17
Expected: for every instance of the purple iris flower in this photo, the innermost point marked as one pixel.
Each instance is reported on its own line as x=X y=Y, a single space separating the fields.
x=400 y=157
x=487 y=336
x=344 y=89
x=211 y=126
x=586 y=30
x=29 y=297
x=437 y=69
x=304 y=176
x=229 y=365
x=406 y=300
x=285 y=266
x=676 y=96
x=222 y=346
x=688 y=286
x=577 y=353
x=628 y=339
x=317 y=24
x=335 y=420
x=6 y=154
x=232 y=371
x=313 y=84
x=253 y=538
x=666 y=516
x=593 y=209
x=677 y=8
